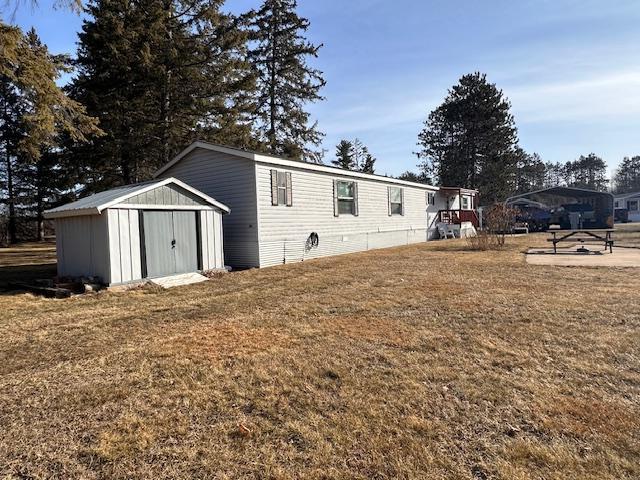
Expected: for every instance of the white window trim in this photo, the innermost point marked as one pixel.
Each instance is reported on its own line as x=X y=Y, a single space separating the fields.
x=353 y=198
x=283 y=189
x=401 y=203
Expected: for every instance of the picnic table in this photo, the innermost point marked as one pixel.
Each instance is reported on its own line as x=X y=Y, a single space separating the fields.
x=597 y=235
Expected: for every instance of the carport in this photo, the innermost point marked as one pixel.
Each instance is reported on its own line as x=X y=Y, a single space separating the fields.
x=571 y=208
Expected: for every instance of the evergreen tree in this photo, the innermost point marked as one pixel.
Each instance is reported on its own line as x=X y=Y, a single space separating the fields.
x=554 y=175
x=588 y=172
x=627 y=177
x=159 y=74
x=419 y=177
x=35 y=117
x=470 y=139
x=530 y=172
x=368 y=162
x=344 y=155
x=285 y=80
x=358 y=153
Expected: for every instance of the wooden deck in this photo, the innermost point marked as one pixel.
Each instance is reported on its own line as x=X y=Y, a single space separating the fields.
x=456 y=217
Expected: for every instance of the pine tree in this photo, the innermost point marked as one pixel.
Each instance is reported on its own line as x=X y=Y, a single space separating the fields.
x=470 y=139
x=344 y=155
x=358 y=153
x=554 y=175
x=627 y=176
x=420 y=177
x=368 y=162
x=35 y=116
x=159 y=74
x=285 y=80
x=587 y=172
x=530 y=172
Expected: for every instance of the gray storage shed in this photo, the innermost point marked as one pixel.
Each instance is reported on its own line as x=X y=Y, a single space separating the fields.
x=146 y=230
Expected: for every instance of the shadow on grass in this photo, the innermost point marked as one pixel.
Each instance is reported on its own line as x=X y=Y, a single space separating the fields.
x=24 y=263
x=11 y=274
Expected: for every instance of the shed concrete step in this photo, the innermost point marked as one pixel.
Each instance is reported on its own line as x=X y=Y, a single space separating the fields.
x=178 y=280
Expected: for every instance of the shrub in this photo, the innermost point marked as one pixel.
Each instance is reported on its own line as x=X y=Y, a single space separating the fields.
x=499 y=220
x=483 y=240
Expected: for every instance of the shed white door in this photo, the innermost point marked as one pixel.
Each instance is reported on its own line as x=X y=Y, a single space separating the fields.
x=170 y=242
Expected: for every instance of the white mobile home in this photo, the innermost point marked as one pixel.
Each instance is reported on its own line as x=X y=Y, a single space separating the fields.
x=146 y=230
x=286 y=211
x=629 y=202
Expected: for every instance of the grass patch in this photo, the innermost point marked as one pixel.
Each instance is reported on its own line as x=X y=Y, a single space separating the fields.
x=426 y=361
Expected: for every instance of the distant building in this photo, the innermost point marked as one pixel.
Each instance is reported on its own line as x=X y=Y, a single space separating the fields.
x=629 y=202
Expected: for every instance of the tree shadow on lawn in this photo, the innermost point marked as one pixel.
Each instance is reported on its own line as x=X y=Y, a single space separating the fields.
x=11 y=274
x=25 y=263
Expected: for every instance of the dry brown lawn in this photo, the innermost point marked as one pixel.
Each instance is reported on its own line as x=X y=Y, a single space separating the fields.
x=426 y=361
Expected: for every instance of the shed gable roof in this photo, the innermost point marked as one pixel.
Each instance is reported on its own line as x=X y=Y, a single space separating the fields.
x=96 y=203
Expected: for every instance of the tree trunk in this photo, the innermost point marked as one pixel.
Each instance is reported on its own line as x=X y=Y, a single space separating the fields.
x=126 y=169
x=272 y=86
x=40 y=203
x=165 y=102
x=11 y=202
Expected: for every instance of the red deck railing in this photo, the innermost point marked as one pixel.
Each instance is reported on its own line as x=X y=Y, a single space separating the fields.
x=458 y=216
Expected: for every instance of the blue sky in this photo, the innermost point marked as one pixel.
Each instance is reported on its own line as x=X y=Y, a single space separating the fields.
x=571 y=68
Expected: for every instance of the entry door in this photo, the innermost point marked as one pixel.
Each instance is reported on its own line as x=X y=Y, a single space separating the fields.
x=170 y=242
x=431 y=223
x=186 y=242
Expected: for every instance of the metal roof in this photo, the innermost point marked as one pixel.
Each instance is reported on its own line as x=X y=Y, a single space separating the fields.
x=622 y=196
x=272 y=160
x=96 y=203
x=562 y=192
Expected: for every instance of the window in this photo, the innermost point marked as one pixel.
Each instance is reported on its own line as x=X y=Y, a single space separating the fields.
x=345 y=198
x=431 y=198
x=632 y=205
x=464 y=201
x=396 y=206
x=616 y=204
x=281 y=188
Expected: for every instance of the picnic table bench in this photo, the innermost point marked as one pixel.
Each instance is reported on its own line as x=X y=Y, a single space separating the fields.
x=599 y=235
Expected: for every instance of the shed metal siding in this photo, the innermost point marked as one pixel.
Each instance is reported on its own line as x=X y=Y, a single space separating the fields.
x=170 y=195
x=231 y=180
x=82 y=247
x=211 y=240
x=283 y=230
x=124 y=245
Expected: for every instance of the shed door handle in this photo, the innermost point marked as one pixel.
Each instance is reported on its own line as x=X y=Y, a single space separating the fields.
x=173 y=243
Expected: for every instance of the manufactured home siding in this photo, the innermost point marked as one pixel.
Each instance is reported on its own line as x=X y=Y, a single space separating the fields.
x=82 y=246
x=623 y=202
x=231 y=180
x=451 y=201
x=284 y=229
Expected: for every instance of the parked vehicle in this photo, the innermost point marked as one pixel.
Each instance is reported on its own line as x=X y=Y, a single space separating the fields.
x=536 y=218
